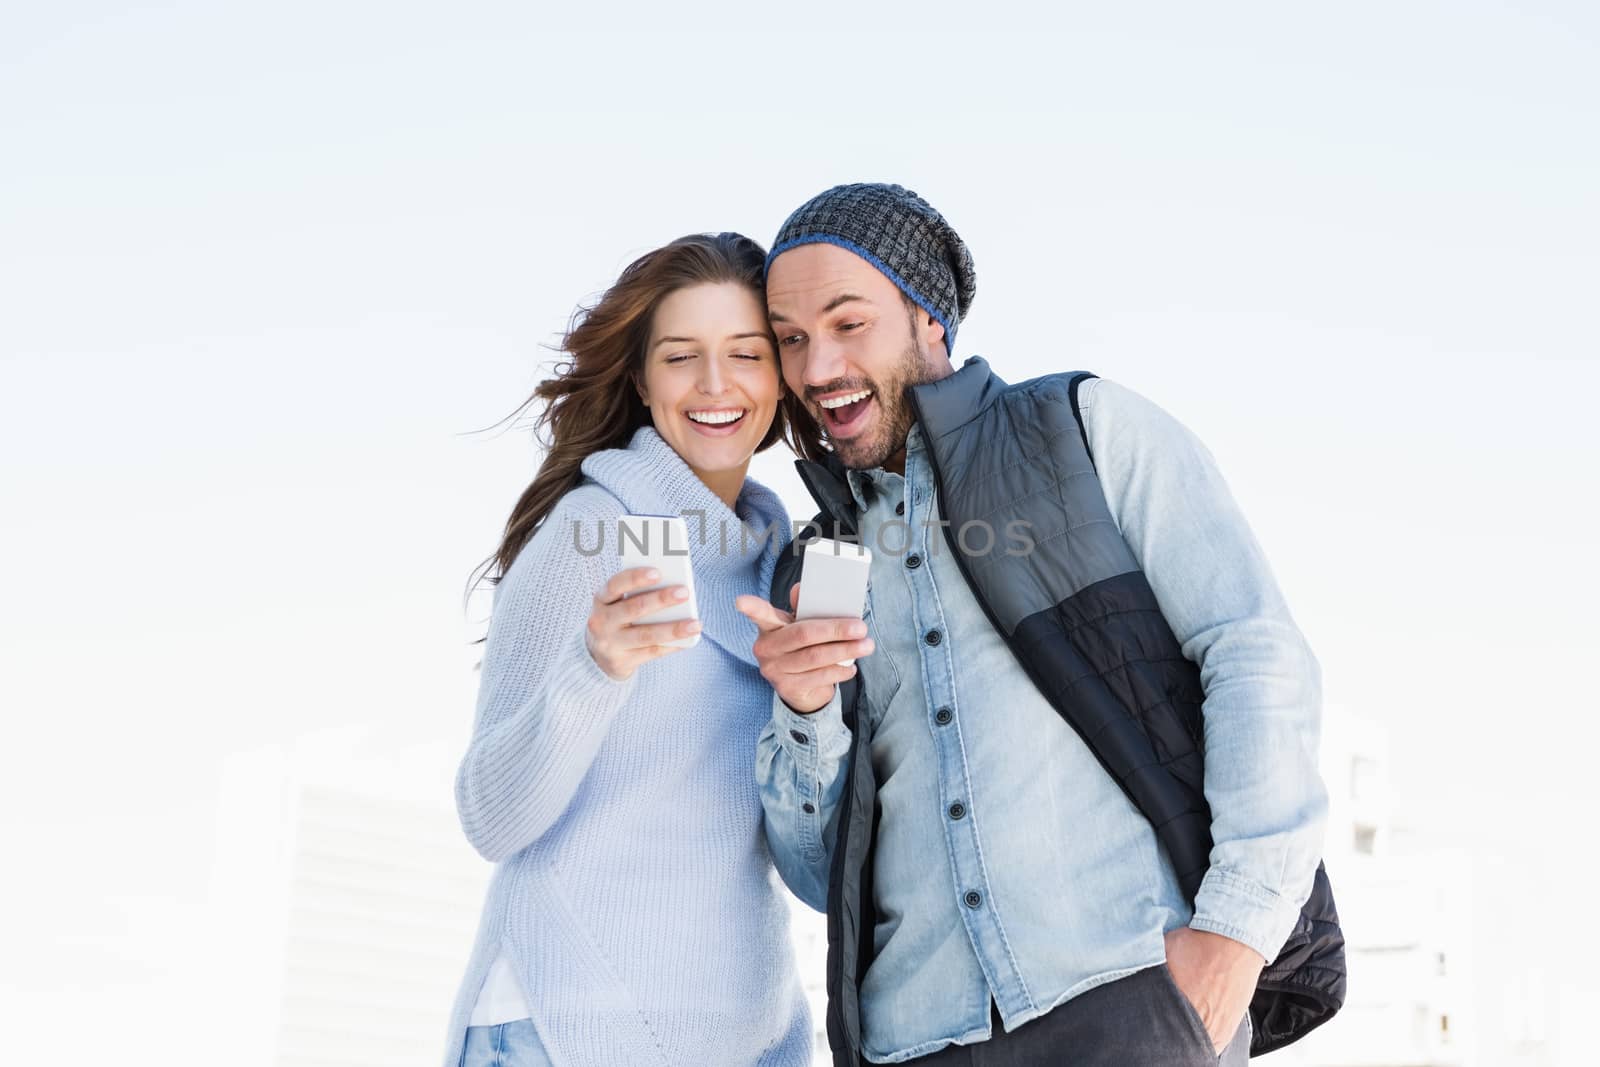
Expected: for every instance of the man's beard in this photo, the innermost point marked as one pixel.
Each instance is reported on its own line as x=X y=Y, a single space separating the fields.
x=895 y=414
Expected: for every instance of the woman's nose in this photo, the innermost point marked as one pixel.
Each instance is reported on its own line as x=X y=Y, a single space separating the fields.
x=711 y=379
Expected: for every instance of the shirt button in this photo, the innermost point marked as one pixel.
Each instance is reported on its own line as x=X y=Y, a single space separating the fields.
x=913 y=561
x=974 y=898
x=957 y=810
x=809 y=808
x=943 y=716
x=800 y=738
x=900 y=508
x=932 y=637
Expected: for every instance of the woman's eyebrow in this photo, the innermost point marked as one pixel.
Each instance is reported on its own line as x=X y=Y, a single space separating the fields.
x=757 y=334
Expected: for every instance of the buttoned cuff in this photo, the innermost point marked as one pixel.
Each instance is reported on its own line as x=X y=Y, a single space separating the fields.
x=818 y=737
x=1244 y=910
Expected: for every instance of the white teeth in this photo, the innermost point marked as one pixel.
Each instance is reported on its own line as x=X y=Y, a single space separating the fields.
x=841 y=401
x=716 y=418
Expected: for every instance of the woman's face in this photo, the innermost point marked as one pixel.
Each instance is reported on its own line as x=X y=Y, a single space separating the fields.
x=711 y=376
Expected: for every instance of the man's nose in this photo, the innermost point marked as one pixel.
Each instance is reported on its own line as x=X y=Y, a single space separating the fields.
x=824 y=363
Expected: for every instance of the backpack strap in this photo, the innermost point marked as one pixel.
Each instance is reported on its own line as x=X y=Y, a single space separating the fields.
x=1077 y=412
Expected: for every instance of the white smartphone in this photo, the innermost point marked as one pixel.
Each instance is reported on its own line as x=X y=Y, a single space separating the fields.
x=833 y=582
x=662 y=542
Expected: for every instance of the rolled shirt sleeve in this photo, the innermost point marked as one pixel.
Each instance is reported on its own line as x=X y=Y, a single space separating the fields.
x=1262 y=683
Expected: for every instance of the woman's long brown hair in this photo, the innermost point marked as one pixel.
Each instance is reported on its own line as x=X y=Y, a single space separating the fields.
x=590 y=403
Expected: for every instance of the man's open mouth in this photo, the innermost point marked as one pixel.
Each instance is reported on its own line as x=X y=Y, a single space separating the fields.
x=840 y=413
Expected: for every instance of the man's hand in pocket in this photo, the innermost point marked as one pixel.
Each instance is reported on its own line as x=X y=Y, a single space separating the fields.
x=1218 y=975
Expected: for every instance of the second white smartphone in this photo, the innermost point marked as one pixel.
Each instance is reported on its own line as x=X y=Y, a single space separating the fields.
x=662 y=542
x=833 y=582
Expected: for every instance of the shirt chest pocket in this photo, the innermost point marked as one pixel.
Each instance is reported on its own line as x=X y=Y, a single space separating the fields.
x=878 y=671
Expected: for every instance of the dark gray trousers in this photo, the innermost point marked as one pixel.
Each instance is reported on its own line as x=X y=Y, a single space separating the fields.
x=1143 y=1020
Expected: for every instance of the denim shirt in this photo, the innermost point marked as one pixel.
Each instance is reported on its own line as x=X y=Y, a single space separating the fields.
x=1008 y=865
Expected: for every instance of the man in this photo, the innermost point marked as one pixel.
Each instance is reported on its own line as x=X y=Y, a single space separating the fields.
x=1003 y=886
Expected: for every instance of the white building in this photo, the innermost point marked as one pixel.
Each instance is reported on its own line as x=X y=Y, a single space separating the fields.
x=1407 y=918
x=345 y=901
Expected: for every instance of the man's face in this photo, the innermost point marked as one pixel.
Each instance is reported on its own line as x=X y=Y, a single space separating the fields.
x=850 y=349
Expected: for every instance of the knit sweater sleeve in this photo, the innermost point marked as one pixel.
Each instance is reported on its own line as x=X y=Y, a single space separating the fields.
x=544 y=706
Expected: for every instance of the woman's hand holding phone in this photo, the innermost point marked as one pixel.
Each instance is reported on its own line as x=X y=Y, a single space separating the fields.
x=617 y=642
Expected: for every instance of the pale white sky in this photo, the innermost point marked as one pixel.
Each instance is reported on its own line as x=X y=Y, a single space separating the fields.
x=263 y=266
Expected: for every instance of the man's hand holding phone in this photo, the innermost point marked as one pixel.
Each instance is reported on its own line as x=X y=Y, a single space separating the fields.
x=802 y=660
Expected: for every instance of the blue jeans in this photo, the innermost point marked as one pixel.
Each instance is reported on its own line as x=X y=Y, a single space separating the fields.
x=506 y=1045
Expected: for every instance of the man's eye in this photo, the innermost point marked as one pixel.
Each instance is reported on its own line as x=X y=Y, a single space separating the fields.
x=850 y=325
x=792 y=339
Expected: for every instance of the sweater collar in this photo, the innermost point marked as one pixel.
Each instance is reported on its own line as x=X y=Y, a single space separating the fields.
x=733 y=551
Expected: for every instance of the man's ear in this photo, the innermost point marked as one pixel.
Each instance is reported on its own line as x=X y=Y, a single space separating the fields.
x=933 y=332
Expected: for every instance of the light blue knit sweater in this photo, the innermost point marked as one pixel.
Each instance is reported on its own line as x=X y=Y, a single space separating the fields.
x=632 y=890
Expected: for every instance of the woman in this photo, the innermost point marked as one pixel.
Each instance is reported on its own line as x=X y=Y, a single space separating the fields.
x=631 y=918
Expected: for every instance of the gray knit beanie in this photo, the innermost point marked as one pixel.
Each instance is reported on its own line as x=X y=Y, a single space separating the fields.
x=899 y=233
